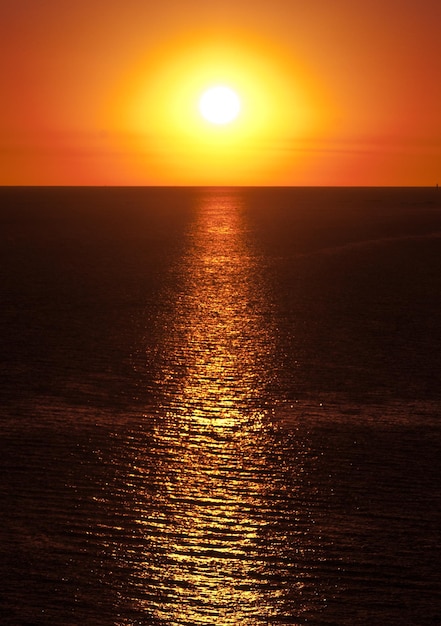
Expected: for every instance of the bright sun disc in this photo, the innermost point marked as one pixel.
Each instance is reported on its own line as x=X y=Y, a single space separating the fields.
x=219 y=105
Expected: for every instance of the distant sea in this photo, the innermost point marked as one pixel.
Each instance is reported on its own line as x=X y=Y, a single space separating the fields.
x=220 y=406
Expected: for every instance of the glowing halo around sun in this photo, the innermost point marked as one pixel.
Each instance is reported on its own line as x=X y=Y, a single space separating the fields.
x=205 y=112
x=219 y=105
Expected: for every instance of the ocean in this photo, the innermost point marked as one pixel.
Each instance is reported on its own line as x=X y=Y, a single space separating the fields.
x=220 y=406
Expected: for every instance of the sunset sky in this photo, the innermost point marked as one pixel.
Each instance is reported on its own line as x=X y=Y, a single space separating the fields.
x=105 y=92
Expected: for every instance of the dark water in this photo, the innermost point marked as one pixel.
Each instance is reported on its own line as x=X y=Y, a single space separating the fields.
x=220 y=406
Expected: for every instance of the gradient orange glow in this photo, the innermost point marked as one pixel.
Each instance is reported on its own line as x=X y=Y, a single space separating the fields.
x=164 y=96
x=331 y=95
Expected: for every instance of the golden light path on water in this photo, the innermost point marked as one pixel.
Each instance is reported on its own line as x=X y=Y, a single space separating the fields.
x=215 y=509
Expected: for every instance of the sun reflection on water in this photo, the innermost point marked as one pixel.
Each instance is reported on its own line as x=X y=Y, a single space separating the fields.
x=210 y=509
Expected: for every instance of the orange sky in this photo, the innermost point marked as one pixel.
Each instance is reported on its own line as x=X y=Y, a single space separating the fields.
x=334 y=93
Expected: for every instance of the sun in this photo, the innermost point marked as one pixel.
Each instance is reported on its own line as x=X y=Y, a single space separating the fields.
x=219 y=105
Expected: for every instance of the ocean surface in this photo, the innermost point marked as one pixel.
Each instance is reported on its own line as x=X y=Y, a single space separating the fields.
x=220 y=406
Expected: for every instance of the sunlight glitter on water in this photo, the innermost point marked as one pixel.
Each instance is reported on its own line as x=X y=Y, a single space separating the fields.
x=214 y=497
